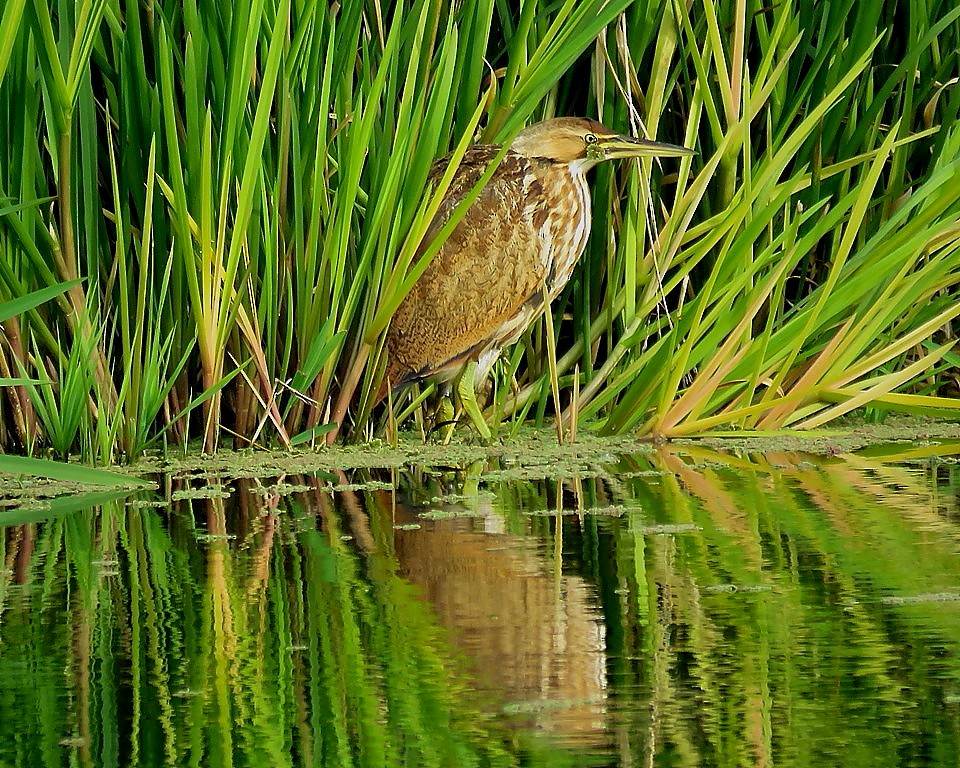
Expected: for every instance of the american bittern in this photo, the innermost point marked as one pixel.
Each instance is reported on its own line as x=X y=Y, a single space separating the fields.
x=509 y=256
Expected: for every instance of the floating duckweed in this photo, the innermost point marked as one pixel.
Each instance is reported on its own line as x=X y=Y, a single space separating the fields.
x=280 y=489
x=935 y=597
x=668 y=529
x=206 y=492
x=370 y=485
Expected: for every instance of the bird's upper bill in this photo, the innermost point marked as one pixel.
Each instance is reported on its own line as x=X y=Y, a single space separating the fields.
x=584 y=143
x=615 y=146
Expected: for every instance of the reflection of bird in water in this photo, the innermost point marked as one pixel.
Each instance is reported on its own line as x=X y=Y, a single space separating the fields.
x=510 y=255
x=534 y=638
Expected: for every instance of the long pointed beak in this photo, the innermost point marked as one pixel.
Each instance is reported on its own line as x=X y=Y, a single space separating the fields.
x=627 y=146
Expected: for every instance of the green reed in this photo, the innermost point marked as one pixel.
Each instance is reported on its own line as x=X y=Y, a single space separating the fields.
x=234 y=200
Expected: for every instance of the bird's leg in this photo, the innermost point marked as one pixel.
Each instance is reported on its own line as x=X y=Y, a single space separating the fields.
x=466 y=388
x=552 y=363
x=445 y=416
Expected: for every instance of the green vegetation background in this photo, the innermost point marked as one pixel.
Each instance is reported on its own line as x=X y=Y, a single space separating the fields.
x=209 y=212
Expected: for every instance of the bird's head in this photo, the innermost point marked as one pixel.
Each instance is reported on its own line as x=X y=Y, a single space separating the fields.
x=582 y=143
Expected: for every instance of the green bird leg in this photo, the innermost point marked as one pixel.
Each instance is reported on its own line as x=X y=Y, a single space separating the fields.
x=468 y=396
x=444 y=414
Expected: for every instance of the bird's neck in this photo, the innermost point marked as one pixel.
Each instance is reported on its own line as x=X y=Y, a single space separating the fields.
x=580 y=166
x=568 y=193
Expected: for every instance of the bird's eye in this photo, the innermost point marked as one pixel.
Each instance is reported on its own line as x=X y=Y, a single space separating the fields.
x=590 y=138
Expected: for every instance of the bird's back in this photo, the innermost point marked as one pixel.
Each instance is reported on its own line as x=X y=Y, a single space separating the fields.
x=484 y=286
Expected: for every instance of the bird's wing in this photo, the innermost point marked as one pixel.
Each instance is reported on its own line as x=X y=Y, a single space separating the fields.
x=482 y=286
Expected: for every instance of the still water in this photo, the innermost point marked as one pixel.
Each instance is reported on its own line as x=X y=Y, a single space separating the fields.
x=667 y=609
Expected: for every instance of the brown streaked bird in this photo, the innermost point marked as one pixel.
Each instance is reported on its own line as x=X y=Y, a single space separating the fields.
x=510 y=255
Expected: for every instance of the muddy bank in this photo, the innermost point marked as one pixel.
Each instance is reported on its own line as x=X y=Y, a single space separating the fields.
x=534 y=453
x=538 y=448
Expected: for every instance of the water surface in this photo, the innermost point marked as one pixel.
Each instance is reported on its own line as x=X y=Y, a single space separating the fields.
x=675 y=608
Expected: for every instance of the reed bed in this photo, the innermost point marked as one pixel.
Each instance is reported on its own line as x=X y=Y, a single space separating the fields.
x=208 y=214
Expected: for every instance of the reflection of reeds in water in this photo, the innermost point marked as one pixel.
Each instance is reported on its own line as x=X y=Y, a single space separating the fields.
x=207 y=638
x=772 y=640
x=738 y=611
